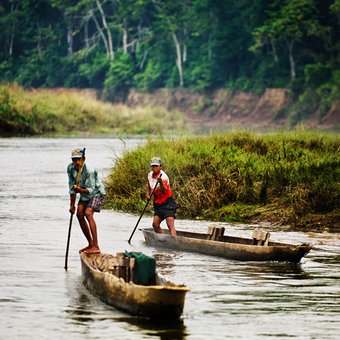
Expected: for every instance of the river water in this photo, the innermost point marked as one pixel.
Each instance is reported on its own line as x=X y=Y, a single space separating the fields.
x=228 y=299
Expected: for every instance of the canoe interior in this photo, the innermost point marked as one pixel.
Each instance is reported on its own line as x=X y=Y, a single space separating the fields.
x=223 y=239
x=161 y=299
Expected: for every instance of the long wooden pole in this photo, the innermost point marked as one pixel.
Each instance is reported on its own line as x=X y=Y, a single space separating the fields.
x=68 y=240
x=140 y=217
x=71 y=217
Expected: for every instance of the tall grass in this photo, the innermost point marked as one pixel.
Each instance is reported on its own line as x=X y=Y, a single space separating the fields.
x=69 y=111
x=239 y=176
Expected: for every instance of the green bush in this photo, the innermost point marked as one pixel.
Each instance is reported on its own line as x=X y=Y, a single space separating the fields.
x=317 y=74
x=119 y=78
x=150 y=78
x=94 y=69
x=198 y=76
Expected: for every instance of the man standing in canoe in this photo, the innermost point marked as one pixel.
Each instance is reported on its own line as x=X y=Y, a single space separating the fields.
x=164 y=205
x=83 y=179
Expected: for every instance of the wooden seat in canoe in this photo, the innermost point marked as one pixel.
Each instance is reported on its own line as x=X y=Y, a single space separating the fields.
x=260 y=237
x=215 y=233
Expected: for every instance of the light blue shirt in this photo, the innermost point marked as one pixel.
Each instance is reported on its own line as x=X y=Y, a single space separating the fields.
x=89 y=179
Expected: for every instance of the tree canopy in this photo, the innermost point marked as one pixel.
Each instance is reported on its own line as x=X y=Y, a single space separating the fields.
x=148 y=44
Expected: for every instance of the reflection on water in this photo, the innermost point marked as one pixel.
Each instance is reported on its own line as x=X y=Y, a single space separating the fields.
x=227 y=299
x=165 y=330
x=165 y=263
x=277 y=270
x=80 y=310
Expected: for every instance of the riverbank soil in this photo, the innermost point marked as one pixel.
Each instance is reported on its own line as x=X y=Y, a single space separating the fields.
x=284 y=216
x=223 y=109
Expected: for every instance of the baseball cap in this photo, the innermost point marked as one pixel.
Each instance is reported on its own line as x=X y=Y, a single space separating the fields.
x=77 y=153
x=156 y=161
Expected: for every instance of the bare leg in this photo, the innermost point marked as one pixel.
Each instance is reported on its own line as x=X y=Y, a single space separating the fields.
x=170 y=222
x=156 y=225
x=89 y=212
x=84 y=226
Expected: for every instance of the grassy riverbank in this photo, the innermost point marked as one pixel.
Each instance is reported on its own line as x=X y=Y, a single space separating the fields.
x=290 y=178
x=72 y=112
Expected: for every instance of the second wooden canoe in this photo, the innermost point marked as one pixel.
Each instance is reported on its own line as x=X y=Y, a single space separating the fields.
x=230 y=247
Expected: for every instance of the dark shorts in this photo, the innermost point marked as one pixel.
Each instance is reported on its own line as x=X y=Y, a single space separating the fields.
x=95 y=203
x=167 y=209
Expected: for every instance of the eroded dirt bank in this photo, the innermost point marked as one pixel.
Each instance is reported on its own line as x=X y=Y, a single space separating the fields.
x=222 y=109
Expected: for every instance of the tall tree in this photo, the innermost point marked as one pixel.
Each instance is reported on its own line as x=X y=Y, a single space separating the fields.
x=171 y=16
x=289 y=22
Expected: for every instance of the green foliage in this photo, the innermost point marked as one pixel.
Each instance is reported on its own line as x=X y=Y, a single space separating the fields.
x=241 y=83
x=94 y=69
x=70 y=71
x=306 y=105
x=232 y=177
x=8 y=113
x=15 y=121
x=331 y=90
x=199 y=76
x=32 y=74
x=6 y=71
x=323 y=90
x=317 y=74
x=120 y=77
x=150 y=78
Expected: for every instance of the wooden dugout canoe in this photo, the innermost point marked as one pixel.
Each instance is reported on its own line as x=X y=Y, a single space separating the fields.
x=164 y=300
x=230 y=247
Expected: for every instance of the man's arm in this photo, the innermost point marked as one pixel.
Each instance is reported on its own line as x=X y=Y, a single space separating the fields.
x=161 y=185
x=72 y=203
x=80 y=190
x=148 y=192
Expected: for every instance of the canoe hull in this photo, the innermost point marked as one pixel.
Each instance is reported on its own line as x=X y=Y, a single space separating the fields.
x=158 y=301
x=241 y=249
